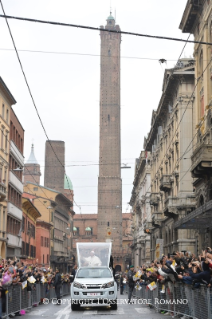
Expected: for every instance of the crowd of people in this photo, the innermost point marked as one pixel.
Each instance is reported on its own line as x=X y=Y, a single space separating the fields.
x=177 y=267
x=28 y=275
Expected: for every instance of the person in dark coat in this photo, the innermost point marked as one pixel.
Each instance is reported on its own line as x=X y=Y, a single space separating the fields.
x=73 y=273
x=131 y=282
x=121 y=284
x=57 y=286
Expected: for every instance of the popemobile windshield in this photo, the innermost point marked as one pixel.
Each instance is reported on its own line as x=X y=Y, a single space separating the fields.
x=93 y=254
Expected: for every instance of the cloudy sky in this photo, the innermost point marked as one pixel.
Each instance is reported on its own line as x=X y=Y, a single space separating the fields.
x=62 y=65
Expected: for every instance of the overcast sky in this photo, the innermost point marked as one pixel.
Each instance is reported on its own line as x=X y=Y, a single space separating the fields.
x=65 y=86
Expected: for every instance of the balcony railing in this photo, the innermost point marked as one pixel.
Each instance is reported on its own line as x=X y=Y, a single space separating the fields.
x=173 y=204
x=165 y=183
x=157 y=219
x=201 y=160
x=154 y=199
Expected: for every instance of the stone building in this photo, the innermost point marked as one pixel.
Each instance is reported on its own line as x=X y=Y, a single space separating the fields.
x=197 y=20
x=6 y=101
x=109 y=181
x=15 y=187
x=140 y=202
x=171 y=190
x=85 y=230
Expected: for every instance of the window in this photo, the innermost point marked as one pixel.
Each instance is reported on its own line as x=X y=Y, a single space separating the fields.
x=35 y=189
x=41 y=241
x=2 y=138
x=7 y=116
x=23 y=224
x=3 y=111
x=6 y=142
x=23 y=250
x=43 y=259
x=27 y=249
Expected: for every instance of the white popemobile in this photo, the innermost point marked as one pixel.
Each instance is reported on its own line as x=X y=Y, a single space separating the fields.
x=94 y=284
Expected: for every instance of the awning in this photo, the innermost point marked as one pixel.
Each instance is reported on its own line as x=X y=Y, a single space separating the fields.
x=200 y=218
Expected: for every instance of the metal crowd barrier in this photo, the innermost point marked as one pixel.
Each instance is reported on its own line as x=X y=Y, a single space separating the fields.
x=178 y=299
x=17 y=299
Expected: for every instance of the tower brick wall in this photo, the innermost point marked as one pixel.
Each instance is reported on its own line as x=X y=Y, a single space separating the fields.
x=54 y=171
x=109 y=181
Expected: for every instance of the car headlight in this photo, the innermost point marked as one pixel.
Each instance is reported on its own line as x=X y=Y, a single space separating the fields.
x=108 y=285
x=78 y=285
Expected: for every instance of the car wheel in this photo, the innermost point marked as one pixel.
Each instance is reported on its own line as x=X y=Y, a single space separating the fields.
x=74 y=306
x=114 y=305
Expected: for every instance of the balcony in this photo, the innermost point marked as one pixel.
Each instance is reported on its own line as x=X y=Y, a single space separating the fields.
x=154 y=199
x=14 y=211
x=16 y=153
x=15 y=182
x=201 y=160
x=3 y=192
x=174 y=204
x=165 y=183
x=157 y=219
x=14 y=241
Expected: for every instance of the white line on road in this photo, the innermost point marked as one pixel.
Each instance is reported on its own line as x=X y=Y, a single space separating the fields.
x=143 y=310
x=65 y=311
x=90 y=312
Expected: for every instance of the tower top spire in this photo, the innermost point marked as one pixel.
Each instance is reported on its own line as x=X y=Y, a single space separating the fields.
x=32 y=159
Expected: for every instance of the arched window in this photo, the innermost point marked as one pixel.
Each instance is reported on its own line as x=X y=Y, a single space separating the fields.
x=201 y=200
x=88 y=231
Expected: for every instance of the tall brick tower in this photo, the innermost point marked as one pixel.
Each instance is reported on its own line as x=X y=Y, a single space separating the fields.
x=54 y=171
x=32 y=169
x=109 y=181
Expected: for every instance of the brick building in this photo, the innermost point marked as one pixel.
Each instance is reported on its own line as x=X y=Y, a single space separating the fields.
x=43 y=242
x=54 y=165
x=15 y=187
x=109 y=181
x=30 y=216
x=85 y=230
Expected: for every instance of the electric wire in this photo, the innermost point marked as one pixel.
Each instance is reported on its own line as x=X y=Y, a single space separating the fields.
x=33 y=101
x=102 y=29
x=83 y=54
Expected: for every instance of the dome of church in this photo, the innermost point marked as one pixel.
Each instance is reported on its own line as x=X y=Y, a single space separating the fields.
x=67 y=183
x=110 y=17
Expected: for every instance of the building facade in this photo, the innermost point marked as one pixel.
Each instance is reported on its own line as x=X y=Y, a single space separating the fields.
x=15 y=187
x=56 y=213
x=30 y=216
x=109 y=180
x=43 y=231
x=6 y=101
x=171 y=193
x=141 y=210
x=197 y=20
